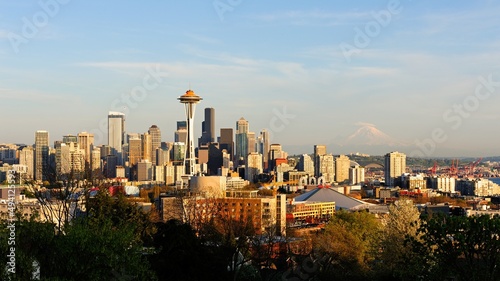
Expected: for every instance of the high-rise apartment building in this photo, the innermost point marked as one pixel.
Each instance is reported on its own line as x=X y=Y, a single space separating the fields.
x=9 y=153
x=241 y=139
x=356 y=175
x=86 y=142
x=155 y=134
x=70 y=159
x=144 y=171
x=275 y=152
x=253 y=167
x=306 y=164
x=134 y=151
x=162 y=156
x=319 y=150
x=116 y=131
x=27 y=158
x=327 y=167
x=395 y=166
x=41 y=155
x=342 y=165
x=96 y=167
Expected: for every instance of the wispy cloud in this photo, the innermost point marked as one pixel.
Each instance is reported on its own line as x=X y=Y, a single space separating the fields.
x=461 y=21
x=34 y=96
x=372 y=71
x=311 y=15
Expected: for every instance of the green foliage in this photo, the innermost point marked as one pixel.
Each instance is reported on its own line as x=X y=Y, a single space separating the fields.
x=182 y=256
x=96 y=251
x=103 y=245
x=402 y=222
x=350 y=241
x=120 y=212
x=30 y=240
x=464 y=248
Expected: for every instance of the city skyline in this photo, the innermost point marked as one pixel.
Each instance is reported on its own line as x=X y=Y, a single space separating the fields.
x=419 y=72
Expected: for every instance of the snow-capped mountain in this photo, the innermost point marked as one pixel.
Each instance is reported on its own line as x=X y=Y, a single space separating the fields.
x=369 y=135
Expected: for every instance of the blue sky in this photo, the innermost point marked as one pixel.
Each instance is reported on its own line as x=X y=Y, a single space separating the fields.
x=280 y=65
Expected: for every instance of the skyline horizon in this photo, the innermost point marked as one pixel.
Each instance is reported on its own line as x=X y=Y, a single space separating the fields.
x=292 y=149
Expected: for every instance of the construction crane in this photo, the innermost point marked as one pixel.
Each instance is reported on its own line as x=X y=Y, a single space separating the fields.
x=454 y=167
x=473 y=165
x=434 y=168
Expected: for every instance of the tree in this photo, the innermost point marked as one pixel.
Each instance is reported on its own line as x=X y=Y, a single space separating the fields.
x=182 y=255
x=349 y=243
x=463 y=248
x=31 y=240
x=402 y=223
x=104 y=244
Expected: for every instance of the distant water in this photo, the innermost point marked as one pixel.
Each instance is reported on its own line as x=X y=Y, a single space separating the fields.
x=495 y=180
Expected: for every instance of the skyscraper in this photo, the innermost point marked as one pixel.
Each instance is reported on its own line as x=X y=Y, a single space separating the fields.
x=319 y=150
x=86 y=142
x=41 y=155
x=395 y=166
x=356 y=174
x=306 y=164
x=27 y=158
x=146 y=147
x=155 y=134
x=327 y=167
x=190 y=99
x=226 y=141
x=254 y=166
x=134 y=151
x=263 y=147
x=69 y=160
x=215 y=159
x=252 y=143
x=275 y=152
x=181 y=134
x=241 y=139
x=116 y=130
x=342 y=165
x=208 y=127
x=96 y=167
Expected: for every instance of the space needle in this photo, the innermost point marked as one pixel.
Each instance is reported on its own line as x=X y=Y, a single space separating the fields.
x=189 y=99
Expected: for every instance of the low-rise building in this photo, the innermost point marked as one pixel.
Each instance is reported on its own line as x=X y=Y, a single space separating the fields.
x=267 y=214
x=477 y=187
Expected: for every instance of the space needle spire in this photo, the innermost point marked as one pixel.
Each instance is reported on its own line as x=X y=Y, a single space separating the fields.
x=189 y=99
